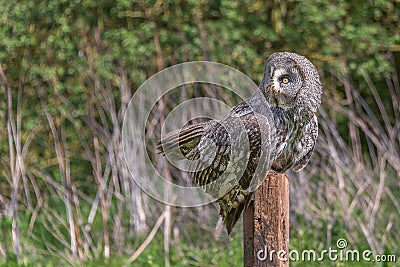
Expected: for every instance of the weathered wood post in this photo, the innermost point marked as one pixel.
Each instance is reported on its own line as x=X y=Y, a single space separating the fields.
x=266 y=224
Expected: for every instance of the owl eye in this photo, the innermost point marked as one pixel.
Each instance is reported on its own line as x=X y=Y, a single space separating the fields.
x=284 y=79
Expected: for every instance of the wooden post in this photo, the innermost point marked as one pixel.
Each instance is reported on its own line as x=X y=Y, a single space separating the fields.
x=266 y=224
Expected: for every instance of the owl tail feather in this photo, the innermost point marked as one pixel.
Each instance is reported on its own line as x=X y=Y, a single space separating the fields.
x=231 y=212
x=183 y=139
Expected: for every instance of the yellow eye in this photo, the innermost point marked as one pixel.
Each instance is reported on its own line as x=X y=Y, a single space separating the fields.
x=285 y=80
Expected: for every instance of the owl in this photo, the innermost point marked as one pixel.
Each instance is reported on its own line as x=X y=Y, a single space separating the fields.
x=289 y=96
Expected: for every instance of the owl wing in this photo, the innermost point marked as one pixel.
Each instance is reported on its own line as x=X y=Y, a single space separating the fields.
x=219 y=161
x=182 y=141
x=213 y=157
x=221 y=170
x=306 y=145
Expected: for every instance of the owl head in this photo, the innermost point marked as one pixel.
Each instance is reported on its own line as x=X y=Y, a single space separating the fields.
x=291 y=82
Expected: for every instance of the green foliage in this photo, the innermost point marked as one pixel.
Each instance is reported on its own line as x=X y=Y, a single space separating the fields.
x=216 y=254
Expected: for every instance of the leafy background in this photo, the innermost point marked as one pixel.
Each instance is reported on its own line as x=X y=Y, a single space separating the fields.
x=69 y=69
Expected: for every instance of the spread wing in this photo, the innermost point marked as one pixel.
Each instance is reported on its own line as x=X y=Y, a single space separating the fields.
x=182 y=140
x=224 y=156
x=229 y=146
x=225 y=160
x=211 y=156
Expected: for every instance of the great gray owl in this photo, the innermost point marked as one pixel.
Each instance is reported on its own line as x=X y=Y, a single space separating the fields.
x=291 y=90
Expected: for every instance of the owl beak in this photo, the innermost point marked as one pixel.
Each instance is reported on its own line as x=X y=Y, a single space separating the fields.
x=271 y=88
